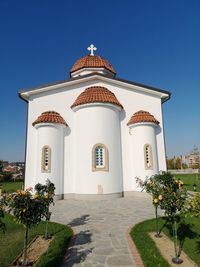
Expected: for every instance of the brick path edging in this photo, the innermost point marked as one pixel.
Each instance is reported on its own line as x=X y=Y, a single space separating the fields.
x=133 y=249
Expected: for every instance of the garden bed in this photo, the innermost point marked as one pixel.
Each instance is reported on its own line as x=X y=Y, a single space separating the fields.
x=166 y=248
x=12 y=241
x=151 y=255
x=36 y=248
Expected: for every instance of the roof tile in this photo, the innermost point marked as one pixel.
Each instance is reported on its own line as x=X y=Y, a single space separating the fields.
x=50 y=116
x=92 y=62
x=96 y=94
x=142 y=116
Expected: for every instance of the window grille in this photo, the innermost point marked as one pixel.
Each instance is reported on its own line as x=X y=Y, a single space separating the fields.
x=46 y=159
x=148 y=156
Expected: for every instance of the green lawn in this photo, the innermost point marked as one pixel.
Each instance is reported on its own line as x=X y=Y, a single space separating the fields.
x=11 y=243
x=189 y=180
x=11 y=186
x=148 y=251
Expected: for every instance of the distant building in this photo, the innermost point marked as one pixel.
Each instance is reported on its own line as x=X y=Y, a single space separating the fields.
x=11 y=169
x=193 y=160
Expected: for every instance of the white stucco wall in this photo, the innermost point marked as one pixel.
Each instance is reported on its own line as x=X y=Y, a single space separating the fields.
x=92 y=125
x=97 y=124
x=51 y=135
x=141 y=134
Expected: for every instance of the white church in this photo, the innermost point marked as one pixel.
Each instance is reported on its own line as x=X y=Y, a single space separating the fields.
x=94 y=133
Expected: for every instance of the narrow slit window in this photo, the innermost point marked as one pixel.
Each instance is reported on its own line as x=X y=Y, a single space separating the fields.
x=46 y=159
x=148 y=157
x=100 y=158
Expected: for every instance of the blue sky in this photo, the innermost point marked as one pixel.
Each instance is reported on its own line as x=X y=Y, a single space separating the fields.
x=152 y=42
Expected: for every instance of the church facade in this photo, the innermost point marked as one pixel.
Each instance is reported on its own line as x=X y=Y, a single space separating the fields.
x=94 y=133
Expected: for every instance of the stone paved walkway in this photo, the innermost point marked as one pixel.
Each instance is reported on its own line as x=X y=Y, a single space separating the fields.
x=100 y=227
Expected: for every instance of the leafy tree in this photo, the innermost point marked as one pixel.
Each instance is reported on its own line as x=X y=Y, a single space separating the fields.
x=153 y=186
x=169 y=195
x=2 y=224
x=192 y=206
x=178 y=163
x=27 y=210
x=1 y=166
x=47 y=192
x=174 y=198
x=170 y=164
x=7 y=176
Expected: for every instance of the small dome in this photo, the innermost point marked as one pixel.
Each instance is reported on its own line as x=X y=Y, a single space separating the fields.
x=142 y=116
x=96 y=94
x=51 y=117
x=90 y=61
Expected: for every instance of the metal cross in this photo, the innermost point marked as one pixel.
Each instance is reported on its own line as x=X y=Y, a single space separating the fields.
x=91 y=48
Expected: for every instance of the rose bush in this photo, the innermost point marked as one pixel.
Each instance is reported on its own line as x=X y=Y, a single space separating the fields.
x=47 y=193
x=152 y=185
x=192 y=206
x=168 y=194
x=27 y=210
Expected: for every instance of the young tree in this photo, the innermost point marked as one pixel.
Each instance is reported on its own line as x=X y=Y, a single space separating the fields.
x=47 y=193
x=2 y=224
x=153 y=186
x=28 y=210
x=174 y=198
x=169 y=195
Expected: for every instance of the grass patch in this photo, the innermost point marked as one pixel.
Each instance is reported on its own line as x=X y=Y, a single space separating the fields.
x=149 y=253
x=11 y=243
x=189 y=235
x=189 y=180
x=10 y=187
x=146 y=246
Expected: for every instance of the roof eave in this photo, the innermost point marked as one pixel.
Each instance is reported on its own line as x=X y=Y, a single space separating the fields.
x=24 y=94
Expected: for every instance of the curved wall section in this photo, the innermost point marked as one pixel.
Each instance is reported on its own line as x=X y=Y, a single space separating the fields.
x=98 y=124
x=141 y=135
x=50 y=135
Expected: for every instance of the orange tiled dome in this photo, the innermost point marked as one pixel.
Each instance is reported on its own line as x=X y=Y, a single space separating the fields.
x=96 y=94
x=92 y=62
x=50 y=116
x=142 y=116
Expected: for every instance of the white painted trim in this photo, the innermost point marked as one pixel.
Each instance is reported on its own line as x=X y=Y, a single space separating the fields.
x=142 y=124
x=27 y=94
x=47 y=124
x=76 y=73
x=96 y=104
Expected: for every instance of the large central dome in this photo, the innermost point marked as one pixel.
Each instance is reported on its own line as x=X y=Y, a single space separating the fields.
x=91 y=63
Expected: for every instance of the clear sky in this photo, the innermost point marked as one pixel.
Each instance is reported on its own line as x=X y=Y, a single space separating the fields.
x=153 y=42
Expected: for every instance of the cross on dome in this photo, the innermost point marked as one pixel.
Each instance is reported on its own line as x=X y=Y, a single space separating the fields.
x=91 y=48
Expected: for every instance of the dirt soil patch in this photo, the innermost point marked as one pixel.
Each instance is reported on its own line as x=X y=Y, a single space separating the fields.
x=166 y=248
x=36 y=248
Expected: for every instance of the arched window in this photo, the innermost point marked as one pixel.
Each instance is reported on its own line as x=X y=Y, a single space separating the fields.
x=99 y=158
x=46 y=159
x=148 y=159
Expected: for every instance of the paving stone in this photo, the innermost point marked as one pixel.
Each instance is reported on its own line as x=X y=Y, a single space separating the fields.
x=99 y=259
x=88 y=264
x=119 y=260
x=100 y=228
x=103 y=251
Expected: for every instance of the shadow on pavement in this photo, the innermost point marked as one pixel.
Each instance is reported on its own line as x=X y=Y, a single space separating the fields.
x=80 y=244
x=79 y=249
x=79 y=221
